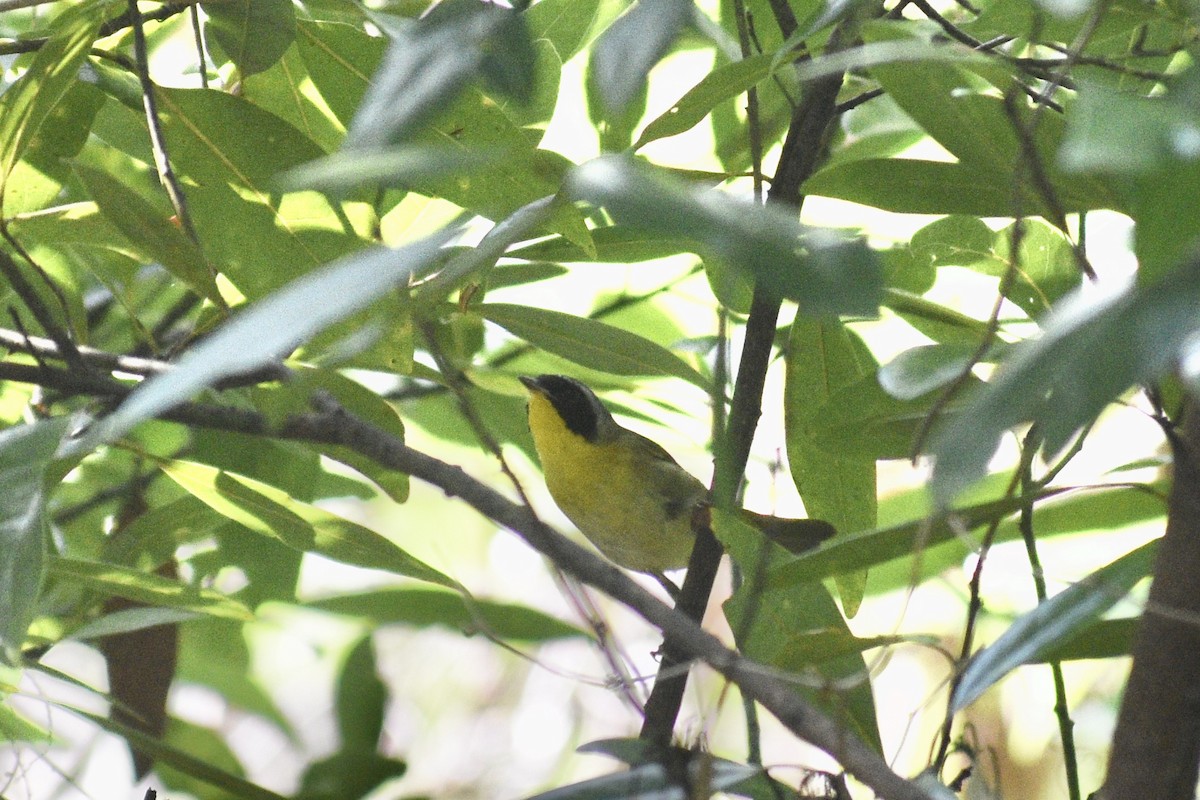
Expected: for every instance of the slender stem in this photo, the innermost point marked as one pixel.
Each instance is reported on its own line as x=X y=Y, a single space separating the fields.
x=1062 y=710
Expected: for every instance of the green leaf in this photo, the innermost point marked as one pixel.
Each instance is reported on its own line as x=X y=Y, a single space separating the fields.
x=615 y=128
x=37 y=179
x=15 y=729
x=253 y=33
x=396 y=166
x=616 y=244
x=1046 y=270
x=424 y=607
x=1093 y=348
x=938 y=322
x=514 y=173
x=1108 y=638
x=915 y=186
x=129 y=620
x=1166 y=210
x=348 y=773
x=428 y=63
x=589 y=342
x=143 y=587
x=361 y=699
x=1114 y=132
x=509 y=275
x=920 y=370
x=167 y=754
x=203 y=744
x=822 y=358
x=341 y=60
x=723 y=83
x=271 y=512
x=1052 y=622
x=276 y=91
x=863 y=420
x=254 y=337
x=31 y=99
x=653 y=782
x=213 y=653
x=364 y=404
x=25 y=454
x=148 y=231
x=232 y=150
x=824 y=272
x=957 y=240
x=217 y=138
x=868 y=548
x=564 y=24
x=632 y=45
x=772 y=623
x=1090 y=511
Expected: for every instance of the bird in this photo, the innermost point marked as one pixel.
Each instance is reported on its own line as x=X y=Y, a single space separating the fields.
x=624 y=492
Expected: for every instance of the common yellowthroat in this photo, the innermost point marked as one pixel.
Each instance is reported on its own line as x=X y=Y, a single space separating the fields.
x=624 y=492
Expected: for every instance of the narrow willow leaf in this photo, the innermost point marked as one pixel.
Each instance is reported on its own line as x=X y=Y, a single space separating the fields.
x=14 y=728
x=25 y=453
x=130 y=620
x=184 y=762
x=616 y=244
x=1051 y=623
x=919 y=370
x=426 y=64
x=723 y=83
x=361 y=698
x=1108 y=638
x=399 y=166
x=148 y=230
x=148 y=588
x=823 y=271
x=938 y=322
x=868 y=548
x=590 y=343
x=273 y=513
x=823 y=357
x=633 y=44
x=424 y=607
x=652 y=782
x=255 y=337
x=26 y=105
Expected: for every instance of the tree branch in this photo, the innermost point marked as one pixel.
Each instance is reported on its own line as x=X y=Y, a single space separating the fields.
x=330 y=424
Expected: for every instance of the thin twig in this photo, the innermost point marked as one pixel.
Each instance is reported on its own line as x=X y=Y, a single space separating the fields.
x=1025 y=523
x=33 y=301
x=158 y=142
x=1032 y=162
x=198 y=36
x=42 y=348
x=974 y=607
x=163 y=12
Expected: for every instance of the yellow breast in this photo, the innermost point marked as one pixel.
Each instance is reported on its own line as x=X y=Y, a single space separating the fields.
x=629 y=507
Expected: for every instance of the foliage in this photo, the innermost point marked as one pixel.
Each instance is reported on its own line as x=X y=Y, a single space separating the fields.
x=383 y=211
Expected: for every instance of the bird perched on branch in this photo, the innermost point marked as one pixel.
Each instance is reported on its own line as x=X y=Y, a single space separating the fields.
x=624 y=492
